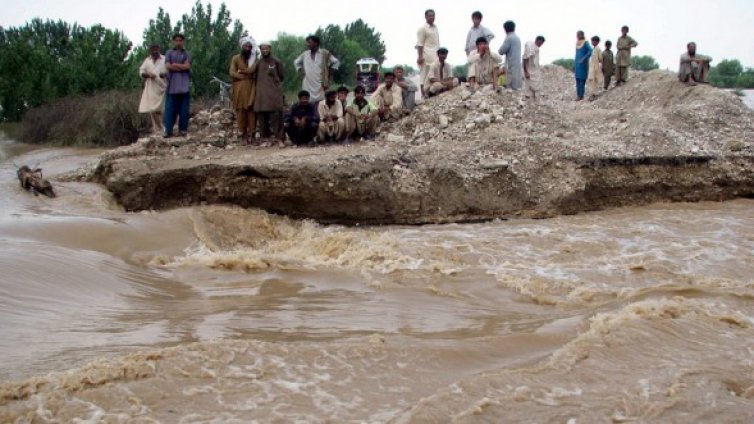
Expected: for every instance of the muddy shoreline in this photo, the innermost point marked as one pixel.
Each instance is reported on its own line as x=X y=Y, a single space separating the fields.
x=355 y=190
x=466 y=157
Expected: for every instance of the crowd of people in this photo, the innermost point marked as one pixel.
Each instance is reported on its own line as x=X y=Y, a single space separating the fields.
x=323 y=114
x=596 y=68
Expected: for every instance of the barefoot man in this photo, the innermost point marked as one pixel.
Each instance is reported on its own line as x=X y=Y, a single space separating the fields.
x=694 y=67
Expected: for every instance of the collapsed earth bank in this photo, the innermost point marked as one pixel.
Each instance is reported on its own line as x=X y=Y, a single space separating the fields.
x=465 y=156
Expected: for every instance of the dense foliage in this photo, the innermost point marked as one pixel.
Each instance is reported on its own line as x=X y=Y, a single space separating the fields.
x=731 y=74
x=211 y=40
x=45 y=60
x=107 y=118
x=565 y=62
x=349 y=45
x=644 y=63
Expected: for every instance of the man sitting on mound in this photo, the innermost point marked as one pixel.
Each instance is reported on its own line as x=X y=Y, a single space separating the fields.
x=361 y=116
x=302 y=121
x=388 y=98
x=694 y=67
x=331 y=123
x=440 y=75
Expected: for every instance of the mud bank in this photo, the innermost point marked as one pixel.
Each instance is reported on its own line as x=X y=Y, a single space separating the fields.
x=467 y=157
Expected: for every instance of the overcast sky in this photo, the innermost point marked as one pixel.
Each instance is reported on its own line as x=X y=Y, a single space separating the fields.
x=722 y=29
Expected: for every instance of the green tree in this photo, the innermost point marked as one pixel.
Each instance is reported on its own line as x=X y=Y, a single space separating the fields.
x=349 y=53
x=160 y=31
x=332 y=38
x=45 y=60
x=565 y=62
x=368 y=38
x=746 y=79
x=357 y=41
x=211 y=40
x=726 y=73
x=287 y=47
x=729 y=68
x=460 y=71
x=644 y=63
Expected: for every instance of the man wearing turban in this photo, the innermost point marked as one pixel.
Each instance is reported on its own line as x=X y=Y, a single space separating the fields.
x=243 y=67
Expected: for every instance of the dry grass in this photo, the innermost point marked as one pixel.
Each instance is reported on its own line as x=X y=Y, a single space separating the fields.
x=109 y=118
x=104 y=119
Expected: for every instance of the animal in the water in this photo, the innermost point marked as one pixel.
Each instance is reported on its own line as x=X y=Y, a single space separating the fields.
x=33 y=180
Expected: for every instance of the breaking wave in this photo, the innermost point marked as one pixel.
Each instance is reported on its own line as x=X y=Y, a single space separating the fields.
x=255 y=241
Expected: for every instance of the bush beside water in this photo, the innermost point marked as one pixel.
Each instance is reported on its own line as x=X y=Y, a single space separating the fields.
x=109 y=118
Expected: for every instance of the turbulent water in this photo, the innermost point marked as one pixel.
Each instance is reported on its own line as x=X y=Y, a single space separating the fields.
x=219 y=314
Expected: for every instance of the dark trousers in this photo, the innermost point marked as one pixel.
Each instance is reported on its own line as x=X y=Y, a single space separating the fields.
x=269 y=124
x=608 y=79
x=580 y=88
x=301 y=135
x=177 y=105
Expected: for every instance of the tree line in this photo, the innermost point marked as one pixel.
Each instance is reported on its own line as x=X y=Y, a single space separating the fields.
x=731 y=74
x=46 y=60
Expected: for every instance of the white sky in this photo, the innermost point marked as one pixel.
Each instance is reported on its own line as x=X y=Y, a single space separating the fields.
x=722 y=28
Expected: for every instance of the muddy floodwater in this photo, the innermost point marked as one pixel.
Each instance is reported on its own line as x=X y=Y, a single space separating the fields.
x=220 y=314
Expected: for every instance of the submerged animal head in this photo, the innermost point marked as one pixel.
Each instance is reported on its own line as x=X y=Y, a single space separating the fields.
x=33 y=179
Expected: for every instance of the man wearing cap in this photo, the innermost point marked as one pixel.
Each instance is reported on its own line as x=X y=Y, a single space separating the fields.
x=317 y=65
x=440 y=75
x=243 y=68
x=154 y=74
x=268 y=103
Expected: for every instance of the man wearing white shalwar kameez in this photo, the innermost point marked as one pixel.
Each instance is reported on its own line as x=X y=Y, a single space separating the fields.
x=154 y=73
x=317 y=65
x=532 y=72
x=427 y=43
x=595 y=80
x=484 y=65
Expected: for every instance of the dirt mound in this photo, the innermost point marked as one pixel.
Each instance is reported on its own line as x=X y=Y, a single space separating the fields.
x=652 y=112
x=465 y=156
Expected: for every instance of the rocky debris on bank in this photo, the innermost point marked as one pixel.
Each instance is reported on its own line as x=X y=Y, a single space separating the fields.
x=466 y=156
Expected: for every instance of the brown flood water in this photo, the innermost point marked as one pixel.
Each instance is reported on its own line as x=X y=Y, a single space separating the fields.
x=637 y=314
